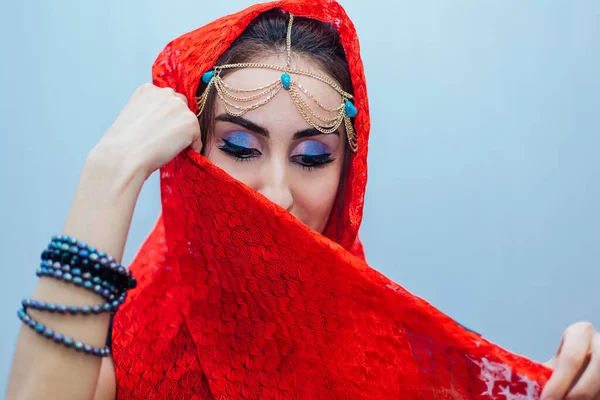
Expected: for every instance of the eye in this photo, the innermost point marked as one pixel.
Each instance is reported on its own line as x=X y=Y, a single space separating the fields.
x=311 y=162
x=238 y=151
x=312 y=154
x=240 y=145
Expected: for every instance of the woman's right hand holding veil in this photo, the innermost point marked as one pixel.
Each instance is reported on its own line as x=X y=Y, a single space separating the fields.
x=153 y=127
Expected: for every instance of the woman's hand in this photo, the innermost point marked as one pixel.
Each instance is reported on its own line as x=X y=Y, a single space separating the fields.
x=154 y=126
x=576 y=365
x=152 y=129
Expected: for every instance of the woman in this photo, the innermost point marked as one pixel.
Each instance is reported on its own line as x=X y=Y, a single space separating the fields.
x=239 y=294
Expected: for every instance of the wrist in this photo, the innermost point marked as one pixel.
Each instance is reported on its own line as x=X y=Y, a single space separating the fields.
x=113 y=174
x=104 y=202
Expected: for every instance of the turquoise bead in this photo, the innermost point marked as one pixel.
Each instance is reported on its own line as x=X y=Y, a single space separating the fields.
x=286 y=80
x=351 y=111
x=207 y=76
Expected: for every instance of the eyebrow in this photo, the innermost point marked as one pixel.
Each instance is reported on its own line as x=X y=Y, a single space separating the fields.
x=310 y=132
x=243 y=122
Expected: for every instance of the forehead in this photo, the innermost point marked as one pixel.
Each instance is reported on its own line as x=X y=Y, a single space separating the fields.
x=281 y=108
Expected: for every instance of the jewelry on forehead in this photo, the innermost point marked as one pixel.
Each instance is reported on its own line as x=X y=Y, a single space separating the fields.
x=237 y=102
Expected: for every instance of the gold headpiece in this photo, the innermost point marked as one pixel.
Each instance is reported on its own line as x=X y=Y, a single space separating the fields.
x=255 y=98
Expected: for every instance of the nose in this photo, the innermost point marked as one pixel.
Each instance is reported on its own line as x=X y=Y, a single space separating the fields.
x=275 y=185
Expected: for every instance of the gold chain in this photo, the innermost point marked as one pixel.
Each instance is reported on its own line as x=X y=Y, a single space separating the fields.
x=249 y=90
x=338 y=108
x=311 y=74
x=265 y=93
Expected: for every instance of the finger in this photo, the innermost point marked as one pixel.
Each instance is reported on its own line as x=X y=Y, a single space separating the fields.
x=197 y=144
x=551 y=363
x=182 y=97
x=575 y=348
x=177 y=94
x=172 y=92
x=588 y=386
x=197 y=139
x=143 y=88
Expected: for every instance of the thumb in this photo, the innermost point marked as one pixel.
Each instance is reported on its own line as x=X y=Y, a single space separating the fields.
x=197 y=142
x=551 y=363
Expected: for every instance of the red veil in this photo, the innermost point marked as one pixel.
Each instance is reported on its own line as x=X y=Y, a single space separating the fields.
x=238 y=299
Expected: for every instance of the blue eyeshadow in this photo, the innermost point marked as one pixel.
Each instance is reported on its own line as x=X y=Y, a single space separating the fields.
x=241 y=139
x=312 y=148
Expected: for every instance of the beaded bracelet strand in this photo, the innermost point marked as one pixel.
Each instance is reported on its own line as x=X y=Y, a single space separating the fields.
x=87 y=283
x=58 y=337
x=73 y=310
x=103 y=273
x=75 y=271
x=84 y=251
x=91 y=260
x=66 y=255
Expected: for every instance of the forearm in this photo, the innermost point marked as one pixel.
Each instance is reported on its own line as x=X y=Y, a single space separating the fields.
x=104 y=203
x=100 y=215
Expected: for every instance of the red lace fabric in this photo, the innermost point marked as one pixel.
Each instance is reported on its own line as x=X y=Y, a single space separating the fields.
x=238 y=299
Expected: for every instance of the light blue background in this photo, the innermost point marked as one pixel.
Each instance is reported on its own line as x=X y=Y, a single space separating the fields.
x=484 y=169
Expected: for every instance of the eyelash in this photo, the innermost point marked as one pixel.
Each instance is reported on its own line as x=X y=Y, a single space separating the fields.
x=313 y=161
x=239 y=153
x=242 y=154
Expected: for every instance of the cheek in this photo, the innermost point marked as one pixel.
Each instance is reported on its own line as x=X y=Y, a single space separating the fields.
x=314 y=196
x=243 y=171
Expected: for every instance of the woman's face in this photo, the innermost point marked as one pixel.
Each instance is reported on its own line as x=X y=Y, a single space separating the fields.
x=273 y=150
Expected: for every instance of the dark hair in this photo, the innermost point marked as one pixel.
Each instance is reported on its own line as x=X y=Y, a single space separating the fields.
x=266 y=35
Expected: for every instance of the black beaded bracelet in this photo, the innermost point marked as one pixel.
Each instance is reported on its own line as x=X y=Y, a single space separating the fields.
x=62 y=251
x=113 y=300
x=85 y=251
x=75 y=262
x=69 y=251
x=62 y=270
x=104 y=273
x=74 y=310
x=74 y=271
x=88 y=284
x=119 y=281
x=58 y=337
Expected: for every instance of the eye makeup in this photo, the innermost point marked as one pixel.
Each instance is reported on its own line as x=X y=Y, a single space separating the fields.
x=311 y=148
x=242 y=139
x=244 y=146
x=240 y=145
x=311 y=154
